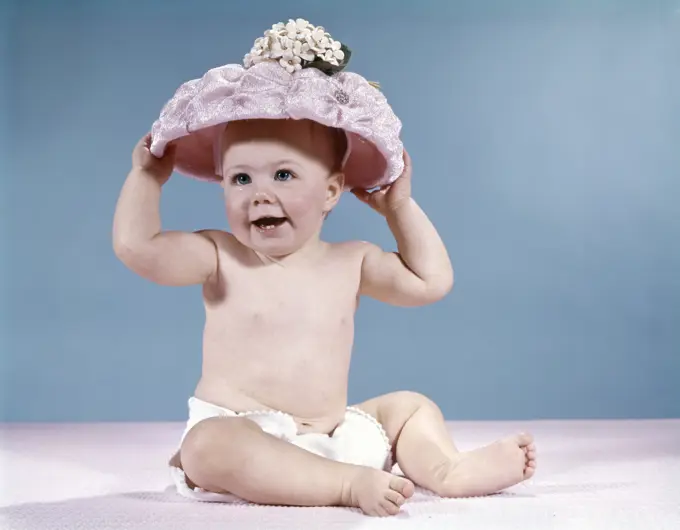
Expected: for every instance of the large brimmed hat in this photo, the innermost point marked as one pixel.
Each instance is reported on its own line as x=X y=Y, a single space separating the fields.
x=295 y=71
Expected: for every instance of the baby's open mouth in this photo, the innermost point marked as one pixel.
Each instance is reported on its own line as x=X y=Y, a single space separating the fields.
x=269 y=223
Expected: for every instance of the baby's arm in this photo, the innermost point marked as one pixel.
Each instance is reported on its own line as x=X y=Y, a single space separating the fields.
x=167 y=258
x=421 y=272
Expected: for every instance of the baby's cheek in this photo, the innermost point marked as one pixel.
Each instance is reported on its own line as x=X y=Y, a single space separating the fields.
x=304 y=202
x=234 y=206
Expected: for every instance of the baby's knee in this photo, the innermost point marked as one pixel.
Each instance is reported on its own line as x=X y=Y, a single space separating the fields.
x=413 y=400
x=215 y=445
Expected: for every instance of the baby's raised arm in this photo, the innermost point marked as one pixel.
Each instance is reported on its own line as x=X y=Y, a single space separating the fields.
x=421 y=272
x=165 y=257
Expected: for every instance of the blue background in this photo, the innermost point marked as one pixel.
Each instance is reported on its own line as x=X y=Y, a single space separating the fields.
x=545 y=138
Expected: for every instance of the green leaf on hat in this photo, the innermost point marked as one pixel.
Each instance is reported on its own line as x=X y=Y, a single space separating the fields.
x=328 y=68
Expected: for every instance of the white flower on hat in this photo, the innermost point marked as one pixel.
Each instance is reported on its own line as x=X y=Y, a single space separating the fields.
x=296 y=45
x=256 y=55
x=319 y=40
x=299 y=28
x=278 y=50
x=303 y=51
x=333 y=53
x=290 y=62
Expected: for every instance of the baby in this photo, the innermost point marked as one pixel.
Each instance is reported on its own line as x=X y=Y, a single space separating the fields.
x=269 y=421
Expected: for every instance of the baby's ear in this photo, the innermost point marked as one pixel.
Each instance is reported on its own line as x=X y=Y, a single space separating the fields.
x=336 y=185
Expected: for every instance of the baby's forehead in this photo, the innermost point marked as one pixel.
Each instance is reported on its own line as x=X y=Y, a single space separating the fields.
x=300 y=138
x=305 y=132
x=263 y=152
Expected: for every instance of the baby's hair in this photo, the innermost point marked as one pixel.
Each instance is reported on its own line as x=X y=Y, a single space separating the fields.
x=337 y=140
x=335 y=143
x=335 y=146
x=339 y=146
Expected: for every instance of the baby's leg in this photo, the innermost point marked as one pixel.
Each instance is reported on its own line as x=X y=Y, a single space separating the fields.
x=233 y=455
x=426 y=454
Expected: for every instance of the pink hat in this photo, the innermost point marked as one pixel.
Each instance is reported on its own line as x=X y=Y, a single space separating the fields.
x=293 y=72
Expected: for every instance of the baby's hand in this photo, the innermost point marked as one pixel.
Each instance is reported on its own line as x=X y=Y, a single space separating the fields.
x=158 y=168
x=389 y=198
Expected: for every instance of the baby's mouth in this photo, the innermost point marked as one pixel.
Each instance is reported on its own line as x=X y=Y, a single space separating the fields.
x=269 y=223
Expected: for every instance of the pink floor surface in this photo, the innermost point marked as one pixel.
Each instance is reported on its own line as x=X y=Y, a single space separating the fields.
x=615 y=475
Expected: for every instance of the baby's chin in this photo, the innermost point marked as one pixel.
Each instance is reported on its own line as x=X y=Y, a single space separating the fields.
x=275 y=243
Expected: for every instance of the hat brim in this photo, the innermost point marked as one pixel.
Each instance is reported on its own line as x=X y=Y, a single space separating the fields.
x=194 y=118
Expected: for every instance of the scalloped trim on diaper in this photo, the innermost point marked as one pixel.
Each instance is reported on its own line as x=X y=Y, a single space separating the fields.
x=379 y=426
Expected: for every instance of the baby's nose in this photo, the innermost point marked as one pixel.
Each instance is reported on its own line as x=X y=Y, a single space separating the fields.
x=262 y=197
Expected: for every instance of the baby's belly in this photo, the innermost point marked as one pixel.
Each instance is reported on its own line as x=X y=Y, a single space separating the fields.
x=309 y=384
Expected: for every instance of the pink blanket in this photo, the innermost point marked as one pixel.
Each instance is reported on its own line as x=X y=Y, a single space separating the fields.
x=601 y=475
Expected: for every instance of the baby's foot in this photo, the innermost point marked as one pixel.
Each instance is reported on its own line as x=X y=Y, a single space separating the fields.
x=492 y=468
x=377 y=492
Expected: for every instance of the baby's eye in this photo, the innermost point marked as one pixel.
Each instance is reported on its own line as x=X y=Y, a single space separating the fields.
x=241 y=179
x=283 y=175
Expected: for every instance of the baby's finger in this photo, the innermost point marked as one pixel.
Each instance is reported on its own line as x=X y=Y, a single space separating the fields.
x=144 y=142
x=362 y=195
x=379 y=194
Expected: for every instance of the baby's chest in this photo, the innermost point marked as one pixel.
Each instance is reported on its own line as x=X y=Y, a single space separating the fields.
x=297 y=303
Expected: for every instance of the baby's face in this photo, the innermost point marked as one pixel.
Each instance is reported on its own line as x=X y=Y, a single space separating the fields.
x=278 y=184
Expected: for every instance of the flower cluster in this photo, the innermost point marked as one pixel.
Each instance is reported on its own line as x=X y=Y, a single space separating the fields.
x=298 y=44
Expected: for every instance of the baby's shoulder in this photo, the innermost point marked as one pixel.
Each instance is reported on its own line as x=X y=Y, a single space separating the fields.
x=218 y=236
x=225 y=242
x=355 y=249
x=353 y=246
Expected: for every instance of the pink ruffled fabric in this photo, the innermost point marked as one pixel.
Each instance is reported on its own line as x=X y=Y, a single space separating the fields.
x=196 y=115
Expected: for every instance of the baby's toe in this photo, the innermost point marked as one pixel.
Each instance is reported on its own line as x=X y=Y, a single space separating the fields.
x=395 y=498
x=524 y=439
x=388 y=507
x=403 y=486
